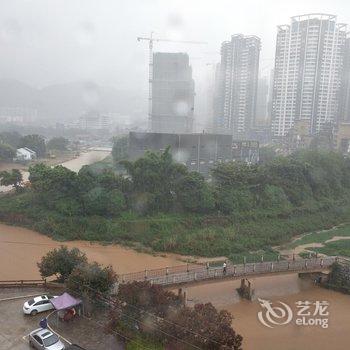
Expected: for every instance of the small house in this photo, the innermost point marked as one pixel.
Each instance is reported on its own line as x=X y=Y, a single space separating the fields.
x=25 y=154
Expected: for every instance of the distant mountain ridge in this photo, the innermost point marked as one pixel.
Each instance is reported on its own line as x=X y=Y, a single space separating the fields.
x=68 y=101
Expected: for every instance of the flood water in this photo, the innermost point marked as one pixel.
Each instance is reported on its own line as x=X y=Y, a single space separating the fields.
x=21 y=249
x=288 y=289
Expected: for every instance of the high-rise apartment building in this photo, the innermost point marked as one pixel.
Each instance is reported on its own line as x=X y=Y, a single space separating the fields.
x=308 y=72
x=237 y=84
x=172 y=93
x=344 y=115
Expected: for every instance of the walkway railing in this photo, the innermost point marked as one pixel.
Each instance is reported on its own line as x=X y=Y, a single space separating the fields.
x=22 y=283
x=192 y=273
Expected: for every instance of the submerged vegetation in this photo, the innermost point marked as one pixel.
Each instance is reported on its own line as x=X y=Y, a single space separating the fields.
x=161 y=205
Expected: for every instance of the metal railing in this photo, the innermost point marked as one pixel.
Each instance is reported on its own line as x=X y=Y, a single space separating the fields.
x=193 y=273
x=23 y=283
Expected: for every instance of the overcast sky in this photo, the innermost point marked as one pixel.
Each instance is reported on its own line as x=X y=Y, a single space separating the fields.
x=56 y=41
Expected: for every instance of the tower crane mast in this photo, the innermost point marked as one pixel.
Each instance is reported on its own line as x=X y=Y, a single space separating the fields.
x=151 y=39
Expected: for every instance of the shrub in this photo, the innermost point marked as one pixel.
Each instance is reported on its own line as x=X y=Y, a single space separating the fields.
x=92 y=279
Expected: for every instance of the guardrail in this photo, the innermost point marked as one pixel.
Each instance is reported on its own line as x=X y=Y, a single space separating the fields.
x=23 y=283
x=187 y=274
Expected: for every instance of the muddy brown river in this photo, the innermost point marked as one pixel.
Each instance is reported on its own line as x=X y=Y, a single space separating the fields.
x=21 y=249
x=288 y=289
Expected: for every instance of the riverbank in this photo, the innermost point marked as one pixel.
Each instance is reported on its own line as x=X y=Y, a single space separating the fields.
x=185 y=234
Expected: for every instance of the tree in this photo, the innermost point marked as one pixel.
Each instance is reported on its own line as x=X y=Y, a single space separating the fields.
x=11 y=178
x=156 y=174
x=100 y=201
x=161 y=315
x=194 y=194
x=58 y=143
x=34 y=142
x=92 y=279
x=61 y=262
x=58 y=181
x=233 y=174
x=267 y=154
x=144 y=297
x=12 y=138
x=202 y=326
x=7 y=152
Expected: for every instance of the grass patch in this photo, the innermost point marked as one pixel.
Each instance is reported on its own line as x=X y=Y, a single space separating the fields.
x=323 y=236
x=336 y=248
x=140 y=342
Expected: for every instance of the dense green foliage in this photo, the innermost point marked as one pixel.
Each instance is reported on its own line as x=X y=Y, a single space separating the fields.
x=91 y=279
x=34 y=142
x=7 y=152
x=161 y=205
x=58 y=143
x=11 y=138
x=61 y=262
x=11 y=178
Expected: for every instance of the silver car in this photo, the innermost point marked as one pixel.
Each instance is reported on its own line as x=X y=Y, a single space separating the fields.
x=44 y=339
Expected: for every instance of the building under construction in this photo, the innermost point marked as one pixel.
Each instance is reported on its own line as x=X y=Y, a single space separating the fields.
x=172 y=93
x=199 y=152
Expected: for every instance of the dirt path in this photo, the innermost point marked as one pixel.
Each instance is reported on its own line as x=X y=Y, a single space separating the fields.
x=286 y=251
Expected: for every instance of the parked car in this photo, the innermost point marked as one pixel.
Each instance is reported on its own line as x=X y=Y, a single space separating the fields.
x=38 y=304
x=44 y=339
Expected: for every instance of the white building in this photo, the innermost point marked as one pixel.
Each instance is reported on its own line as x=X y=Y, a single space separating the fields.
x=308 y=72
x=95 y=121
x=25 y=154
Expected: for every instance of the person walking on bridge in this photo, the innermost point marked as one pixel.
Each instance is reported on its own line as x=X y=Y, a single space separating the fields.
x=224 y=268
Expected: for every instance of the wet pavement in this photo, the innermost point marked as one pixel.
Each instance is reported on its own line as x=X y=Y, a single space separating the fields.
x=14 y=325
x=87 y=333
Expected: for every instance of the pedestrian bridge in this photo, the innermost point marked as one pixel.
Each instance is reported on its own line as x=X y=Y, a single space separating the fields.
x=192 y=273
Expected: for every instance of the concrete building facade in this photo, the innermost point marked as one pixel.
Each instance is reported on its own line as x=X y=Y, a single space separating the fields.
x=308 y=72
x=344 y=115
x=173 y=93
x=199 y=152
x=237 y=83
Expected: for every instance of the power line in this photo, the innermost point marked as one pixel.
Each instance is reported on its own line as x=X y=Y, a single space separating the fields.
x=107 y=301
x=155 y=316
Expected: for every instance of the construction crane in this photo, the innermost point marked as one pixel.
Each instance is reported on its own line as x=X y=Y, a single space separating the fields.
x=151 y=40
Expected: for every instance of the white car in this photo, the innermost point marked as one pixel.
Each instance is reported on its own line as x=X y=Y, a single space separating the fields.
x=38 y=304
x=44 y=339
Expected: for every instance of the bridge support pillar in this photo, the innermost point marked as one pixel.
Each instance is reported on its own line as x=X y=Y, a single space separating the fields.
x=245 y=290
